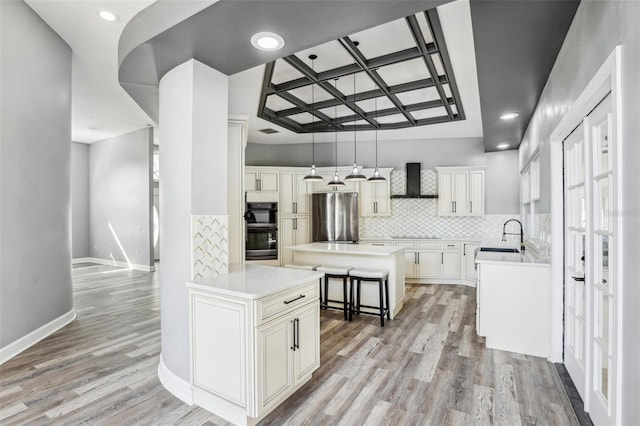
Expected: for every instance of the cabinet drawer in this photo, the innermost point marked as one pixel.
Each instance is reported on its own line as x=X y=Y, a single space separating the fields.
x=428 y=245
x=282 y=303
x=451 y=245
x=407 y=244
x=378 y=243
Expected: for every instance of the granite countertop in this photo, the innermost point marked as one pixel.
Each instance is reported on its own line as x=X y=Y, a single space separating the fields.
x=357 y=249
x=250 y=281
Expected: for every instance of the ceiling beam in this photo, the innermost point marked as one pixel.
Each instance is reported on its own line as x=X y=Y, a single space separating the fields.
x=353 y=50
x=438 y=35
x=414 y=27
x=295 y=62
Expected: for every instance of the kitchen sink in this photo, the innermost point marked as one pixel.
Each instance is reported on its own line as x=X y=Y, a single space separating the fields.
x=500 y=249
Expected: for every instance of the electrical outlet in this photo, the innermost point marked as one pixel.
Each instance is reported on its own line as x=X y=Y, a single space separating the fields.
x=137 y=251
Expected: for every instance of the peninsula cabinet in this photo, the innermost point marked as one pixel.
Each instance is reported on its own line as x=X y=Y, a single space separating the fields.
x=460 y=191
x=255 y=339
x=468 y=264
x=375 y=198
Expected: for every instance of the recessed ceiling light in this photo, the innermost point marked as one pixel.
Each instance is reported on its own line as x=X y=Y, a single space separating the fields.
x=107 y=16
x=267 y=41
x=509 y=115
x=502 y=146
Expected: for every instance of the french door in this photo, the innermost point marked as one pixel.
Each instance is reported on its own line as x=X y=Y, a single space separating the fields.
x=591 y=296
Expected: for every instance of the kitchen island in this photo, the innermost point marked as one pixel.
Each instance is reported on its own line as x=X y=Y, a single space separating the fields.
x=389 y=258
x=254 y=337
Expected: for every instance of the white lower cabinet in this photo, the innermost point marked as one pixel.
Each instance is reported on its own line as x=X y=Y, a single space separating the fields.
x=250 y=355
x=431 y=261
x=288 y=351
x=468 y=264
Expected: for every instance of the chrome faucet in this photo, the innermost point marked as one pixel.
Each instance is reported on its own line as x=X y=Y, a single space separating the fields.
x=505 y=233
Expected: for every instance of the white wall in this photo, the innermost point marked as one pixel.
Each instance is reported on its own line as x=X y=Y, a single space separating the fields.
x=597 y=28
x=121 y=198
x=35 y=163
x=79 y=200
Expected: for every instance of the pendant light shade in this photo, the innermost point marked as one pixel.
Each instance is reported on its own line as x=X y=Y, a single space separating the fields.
x=336 y=182
x=376 y=178
x=313 y=176
x=355 y=174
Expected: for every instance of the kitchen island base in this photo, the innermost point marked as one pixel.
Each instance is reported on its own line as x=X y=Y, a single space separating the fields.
x=387 y=258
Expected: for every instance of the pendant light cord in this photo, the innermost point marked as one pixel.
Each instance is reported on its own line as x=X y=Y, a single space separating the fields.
x=355 y=143
x=313 y=118
x=335 y=117
x=375 y=101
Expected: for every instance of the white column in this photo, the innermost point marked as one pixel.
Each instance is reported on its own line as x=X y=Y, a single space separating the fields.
x=193 y=202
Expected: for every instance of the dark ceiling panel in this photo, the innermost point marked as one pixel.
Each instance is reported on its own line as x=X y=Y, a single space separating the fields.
x=516 y=45
x=219 y=35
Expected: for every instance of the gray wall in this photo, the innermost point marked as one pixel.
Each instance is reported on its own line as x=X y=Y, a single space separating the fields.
x=121 y=195
x=35 y=142
x=79 y=200
x=502 y=183
x=503 y=166
x=597 y=28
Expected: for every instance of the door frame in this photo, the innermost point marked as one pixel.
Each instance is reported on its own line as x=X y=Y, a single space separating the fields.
x=607 y=79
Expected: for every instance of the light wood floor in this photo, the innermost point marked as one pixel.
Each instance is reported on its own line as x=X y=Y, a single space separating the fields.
x=425 y=367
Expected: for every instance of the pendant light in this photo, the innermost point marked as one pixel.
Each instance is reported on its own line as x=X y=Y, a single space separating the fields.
x=355 y=173
x=313 y=175
x=377 y=177
x=336 y=182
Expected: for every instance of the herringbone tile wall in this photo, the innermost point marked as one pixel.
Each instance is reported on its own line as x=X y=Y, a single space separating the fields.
x=418 y=217
x=210 y=246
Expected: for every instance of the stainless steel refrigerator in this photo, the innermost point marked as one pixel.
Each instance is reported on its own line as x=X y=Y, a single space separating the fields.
x=335 y=217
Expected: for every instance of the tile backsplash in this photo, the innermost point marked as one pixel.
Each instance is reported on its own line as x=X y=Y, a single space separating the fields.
x=418 y=217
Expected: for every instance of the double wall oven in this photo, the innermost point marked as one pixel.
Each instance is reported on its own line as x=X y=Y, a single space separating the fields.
x=262 y=231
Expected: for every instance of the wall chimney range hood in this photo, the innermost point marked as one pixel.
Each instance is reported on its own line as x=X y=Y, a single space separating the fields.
x=413 y=183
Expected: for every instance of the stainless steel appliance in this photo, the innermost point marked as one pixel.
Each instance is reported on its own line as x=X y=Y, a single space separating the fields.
x=335 y=217
x=262 y=231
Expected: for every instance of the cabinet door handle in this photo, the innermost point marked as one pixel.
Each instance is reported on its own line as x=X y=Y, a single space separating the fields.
x=259 y=184
x=295 y=207
x=293 y=332
x=470 y=206
x=296 y=343
x=453 y=209
x=302 y=296
x=581 y=279
x=442 y=258
x=464 y=249
x=417 y=258
x=295 y=224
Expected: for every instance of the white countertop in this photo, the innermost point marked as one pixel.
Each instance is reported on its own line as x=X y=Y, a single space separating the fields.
x=417 y=237
x=251 y=281
x=357 y=249
x=527 y=258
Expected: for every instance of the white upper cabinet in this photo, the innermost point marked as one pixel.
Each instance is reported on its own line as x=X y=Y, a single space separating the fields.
x=260 y=180
x=375 y=198
x=460 y=191
x=294 y=193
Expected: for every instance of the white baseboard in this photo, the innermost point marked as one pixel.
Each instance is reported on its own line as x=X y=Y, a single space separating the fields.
x=111 y=262
x=35 y=336
x=181 y=389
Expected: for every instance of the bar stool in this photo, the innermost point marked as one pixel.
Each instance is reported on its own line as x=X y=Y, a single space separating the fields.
x=337 y=272
x=370 y=275
x=307 y=267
